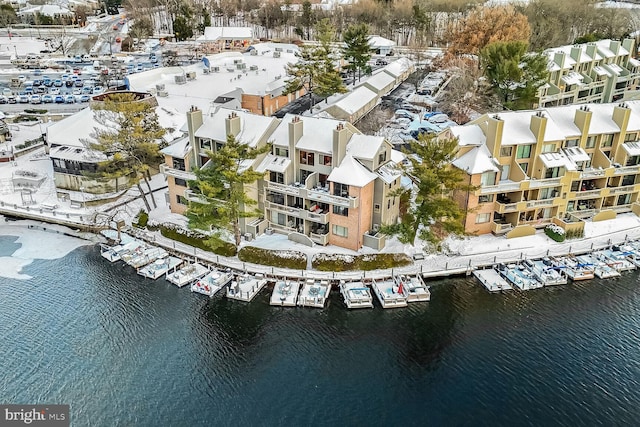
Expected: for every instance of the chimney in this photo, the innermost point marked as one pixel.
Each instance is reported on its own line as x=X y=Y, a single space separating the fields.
x=629 y=44
x=621 y=113
x=232 y=124
x=614 y=46
x=295 y=133
x=495 y=126
x=194 y=121
x=559 y=58
x=592 y=50
x=538 y=125
x=576 y=53
x=582 y=119
x=341 y=137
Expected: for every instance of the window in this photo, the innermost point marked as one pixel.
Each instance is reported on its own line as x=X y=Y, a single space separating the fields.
x=591 y=141
x=571 y=143
x=326 y=160
x=376 y=207
x=488 y=178
x=483 y=218
x=553 y=172
x=281 y=151
x=340 y=210
x=181 y=200
x=307 y=158
x=524 y=167
x=205 y=144
x=219 y=146
x=523 y=152
x=548 y=148
x=607 y=140
x=341 y=190
x=630 y=137
x=485 y=198
x=382 y=157
x=276 y=177
x=575 y=185
x=341 y=231
x=389 y=204
x=506 y=151
x=628 y=180
x=180 y=182
x=178 y=164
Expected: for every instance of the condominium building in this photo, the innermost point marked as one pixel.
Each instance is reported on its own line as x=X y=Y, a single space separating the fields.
x=561 y=165
x=324 y=182
x=596 y=72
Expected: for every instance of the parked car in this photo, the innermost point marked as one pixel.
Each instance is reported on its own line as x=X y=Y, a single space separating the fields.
x=54 y=91
x=11 y=99
x=57 y=83
x=3 y=99
x=23 y=99
x=59 y=99
x=69 y=99
x=47 y=99
x=85 y=98
x=7 y=92
x=98 y=90
x=35 y=99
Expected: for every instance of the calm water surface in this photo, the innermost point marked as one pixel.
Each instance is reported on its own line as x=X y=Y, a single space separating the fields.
x=123 y=350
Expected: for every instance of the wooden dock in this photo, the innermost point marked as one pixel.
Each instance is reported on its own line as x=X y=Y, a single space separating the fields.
x=492 y=280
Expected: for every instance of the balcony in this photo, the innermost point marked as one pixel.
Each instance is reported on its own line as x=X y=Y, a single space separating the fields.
x=282 y=208
x=627 y=170
x=543 y=203
x=176 y=173
x=541 y=183
x=592 y=173
x=192 y=196
x=322 y=218
x=590 y=194
x=293 y=190
x=321 y=239
x=325 y=197
x=506 y=207
x=501 y=187
x=497 y=228
x=621 y=208
x=622 y=190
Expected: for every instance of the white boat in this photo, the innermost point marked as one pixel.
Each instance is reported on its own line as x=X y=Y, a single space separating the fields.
x=314 y=293
x=615 y=259
x=285 y=293
x=114 y=253
x=245 y=286
x=575 y=269
x=520 y=276
x=413 y=287
x=492 y=280
x=212 y=282
x=356 y=295
x=159 y=267
x=389 y=294
x=187 y=274
x=144 y=255
x=632 y=254
x=600 y=269
x=546 y=272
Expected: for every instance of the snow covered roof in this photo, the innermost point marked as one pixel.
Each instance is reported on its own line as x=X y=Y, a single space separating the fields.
x=576 y=154
x=356 y=100
x=399 y=67
x=468 y=134
x=389 y=172
x=73 y=129
x=557 y=160
x=80 y=154
x=252 y=126
x=380 y=81
x=351 y=172
x=634 y=119
x=46 y=9
x=226 y=33
x=601 y=71
x=615 y=68
x=477 y=160
x=573 y=78
x=317 y=133
x=273 y=163
x=179 y=149
x=632 y=148
x=364 y=146
x=517 y=128
x=604 y=46
x=397 y=157
x=378 y=41
x=634 y=62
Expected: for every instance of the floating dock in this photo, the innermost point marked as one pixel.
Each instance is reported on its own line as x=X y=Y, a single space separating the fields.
x=492 y=280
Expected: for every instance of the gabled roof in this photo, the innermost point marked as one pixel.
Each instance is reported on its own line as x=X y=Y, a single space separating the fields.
x=179 y=149
x=399 y=67
x=351 y=172
x=468 y=134
x=364 y=146
x=379 y=81
x=317 y=133
x=378 y=41
x=273 y=163
x=252 y=126
x=477 y=160
x=356 y=100
x=225 y=33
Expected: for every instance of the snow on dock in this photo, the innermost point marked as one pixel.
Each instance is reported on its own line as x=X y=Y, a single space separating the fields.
x=492 y=280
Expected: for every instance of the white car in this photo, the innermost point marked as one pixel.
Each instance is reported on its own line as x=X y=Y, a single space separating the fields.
x=7 y=92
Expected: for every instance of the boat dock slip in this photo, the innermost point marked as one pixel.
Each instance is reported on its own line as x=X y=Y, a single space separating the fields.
x=413 y=287
x=187 y=274
x=356 y=295
x=314 y=293
x=143 y=256
x=114 y=253
x=492 y=280
x=389 y=294
x=285 y=293
x=246 y=286
x=159 y=267
x=212 y=282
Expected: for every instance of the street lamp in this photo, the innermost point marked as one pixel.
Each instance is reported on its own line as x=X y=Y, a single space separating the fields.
x=84 y=203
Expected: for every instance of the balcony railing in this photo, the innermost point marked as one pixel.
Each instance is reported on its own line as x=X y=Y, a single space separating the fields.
x=293 y=190
x=322 y=218
x=621 y=208
x=543 y=203
x=326 y=197
x=321 y=239
x=592 y=173
x=627 y=170
x=623 y=189
x=192 y=196
x=588 y=194
x=548 y=182
x=506 y=208
x=500 y=228
x=176 y=173
x=501 y=187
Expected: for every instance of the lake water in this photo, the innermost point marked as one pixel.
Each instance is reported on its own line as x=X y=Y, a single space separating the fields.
x=123 y=350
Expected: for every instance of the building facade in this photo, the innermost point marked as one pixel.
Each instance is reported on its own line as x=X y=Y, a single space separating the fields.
x=561 y=165
x=597 y=72
x=324 y=182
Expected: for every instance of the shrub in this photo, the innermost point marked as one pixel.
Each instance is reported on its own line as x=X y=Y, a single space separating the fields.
x=197 y=240
x=555 y=232
x=142 y=220
x=34 y=111
x=341 y=262
x=285 y=259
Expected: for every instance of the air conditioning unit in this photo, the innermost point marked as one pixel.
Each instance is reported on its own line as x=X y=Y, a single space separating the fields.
x=289 y=50
x=207 y=71
x=268 y=231
x=276 y=54
x=215 y=69
x=254 y=52
x=278 y=49
x=254 y=68
x=160 y=86
x=163 y=93
x=241 y=66
x=237 y=61
x=376 y=227
x=191 y=75
x=181 y=79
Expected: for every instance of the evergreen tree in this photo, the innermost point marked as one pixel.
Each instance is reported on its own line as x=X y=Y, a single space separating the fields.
x=222 y=189
x=328 y=80
x=128 y=135
x=182 y=29
x=303 y=73
x=434 y=215
x=514 y=74
x=357 y=50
